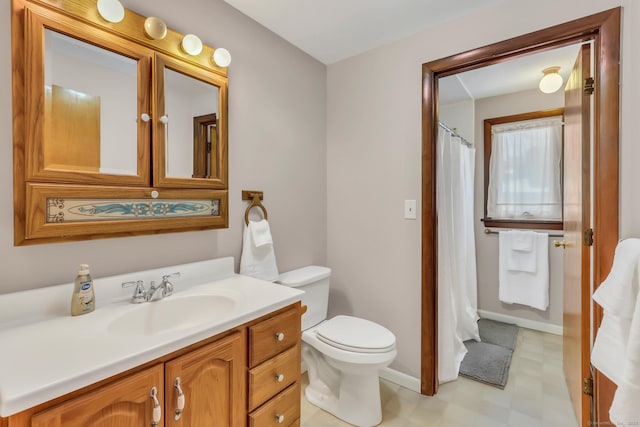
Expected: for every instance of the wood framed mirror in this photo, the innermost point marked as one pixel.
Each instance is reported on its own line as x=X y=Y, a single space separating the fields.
x=95 y=154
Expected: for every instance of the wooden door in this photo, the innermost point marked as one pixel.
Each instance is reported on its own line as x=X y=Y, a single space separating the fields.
x=576 y=212
x=212 y=379
x=124 y=403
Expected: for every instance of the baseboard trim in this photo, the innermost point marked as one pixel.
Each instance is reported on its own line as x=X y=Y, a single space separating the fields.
x=523 y=323
x=404 y=380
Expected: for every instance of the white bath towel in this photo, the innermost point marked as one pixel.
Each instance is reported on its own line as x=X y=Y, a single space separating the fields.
x=616 y=350
x=258 y=261
x=524 y=287
x=260 y=233
x=521 y=250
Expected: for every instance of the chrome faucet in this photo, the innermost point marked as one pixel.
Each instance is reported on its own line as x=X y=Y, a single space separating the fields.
x=140 y=294
x=165 y=285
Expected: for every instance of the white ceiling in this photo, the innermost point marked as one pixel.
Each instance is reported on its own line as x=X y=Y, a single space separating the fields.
x=333 y=30
x=515 y=75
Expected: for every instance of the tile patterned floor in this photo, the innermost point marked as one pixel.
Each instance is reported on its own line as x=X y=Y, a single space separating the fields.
x=535 y=396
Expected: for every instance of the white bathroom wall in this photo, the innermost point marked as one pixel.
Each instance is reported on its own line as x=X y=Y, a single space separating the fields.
x=277 y=143
x=459 y=117
x=374 y=157
x=487 y=244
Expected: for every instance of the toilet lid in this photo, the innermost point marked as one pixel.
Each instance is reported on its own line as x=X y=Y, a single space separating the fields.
x=355 y=334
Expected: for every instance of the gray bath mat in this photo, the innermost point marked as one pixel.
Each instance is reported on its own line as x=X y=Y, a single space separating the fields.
x=488 y=361
x=498 y=333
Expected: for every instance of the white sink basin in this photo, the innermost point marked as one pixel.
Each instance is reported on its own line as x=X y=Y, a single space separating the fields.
x=170 y=314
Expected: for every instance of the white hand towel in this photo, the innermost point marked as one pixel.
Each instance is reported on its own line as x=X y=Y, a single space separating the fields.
x=523 y=287
x=258 y=262
x=522 y=240
x=520 y=249
x=616 y=350
x=260 y=233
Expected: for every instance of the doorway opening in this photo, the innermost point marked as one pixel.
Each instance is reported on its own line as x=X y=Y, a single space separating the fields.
x=604 y=29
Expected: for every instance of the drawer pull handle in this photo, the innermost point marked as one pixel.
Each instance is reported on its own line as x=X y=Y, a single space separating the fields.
x=180 y=402
x=279 y=418
x=157 y=410
x=279 y=377
x=280 y=336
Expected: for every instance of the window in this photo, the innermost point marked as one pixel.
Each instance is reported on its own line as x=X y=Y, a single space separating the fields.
x=523 y=170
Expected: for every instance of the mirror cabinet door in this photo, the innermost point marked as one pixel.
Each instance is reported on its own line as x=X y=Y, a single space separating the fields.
x=84 y=104
x=190 y=135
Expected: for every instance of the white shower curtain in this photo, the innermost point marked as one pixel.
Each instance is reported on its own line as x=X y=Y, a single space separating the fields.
x=457 y=278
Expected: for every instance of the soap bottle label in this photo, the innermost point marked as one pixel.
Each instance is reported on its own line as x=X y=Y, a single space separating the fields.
x=85 y=296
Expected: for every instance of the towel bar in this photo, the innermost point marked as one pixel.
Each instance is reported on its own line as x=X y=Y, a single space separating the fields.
x=255 y=197
x=489 y=231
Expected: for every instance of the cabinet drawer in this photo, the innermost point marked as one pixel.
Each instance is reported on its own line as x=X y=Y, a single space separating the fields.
x=274 y=335
x=282 y=410
x=273 y=376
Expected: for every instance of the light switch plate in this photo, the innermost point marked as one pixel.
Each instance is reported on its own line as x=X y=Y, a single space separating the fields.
x=410 y=209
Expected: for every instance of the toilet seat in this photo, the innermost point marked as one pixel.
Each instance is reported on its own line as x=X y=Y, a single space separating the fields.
x=356 y=335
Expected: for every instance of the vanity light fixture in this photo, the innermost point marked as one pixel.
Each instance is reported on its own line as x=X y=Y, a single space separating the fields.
x=111 y=10
x=221 y=57
x=155 y=28
x=191 y=44
x=551 y=81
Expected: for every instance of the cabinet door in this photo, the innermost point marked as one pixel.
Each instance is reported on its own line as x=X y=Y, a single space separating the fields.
x=124 y=403
x=190 y=126
x=212 y=379
x=85 y=95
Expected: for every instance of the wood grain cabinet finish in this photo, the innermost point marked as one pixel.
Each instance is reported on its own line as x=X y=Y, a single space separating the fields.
x=272 y=336
x=94 y=165
x=282 y=410
x=220 y=387
x=211 y=379
x=274 y=374
x=125 y=403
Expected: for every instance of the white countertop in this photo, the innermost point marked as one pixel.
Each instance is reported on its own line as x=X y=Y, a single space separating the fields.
x=48 y=353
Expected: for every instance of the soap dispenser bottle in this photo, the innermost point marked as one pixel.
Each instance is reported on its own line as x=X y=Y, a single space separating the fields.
x=83 y=300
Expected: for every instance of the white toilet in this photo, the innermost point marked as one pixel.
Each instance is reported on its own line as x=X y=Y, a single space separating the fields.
x=343 y=354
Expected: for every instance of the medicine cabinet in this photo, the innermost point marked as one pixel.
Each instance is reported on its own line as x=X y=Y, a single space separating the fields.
x=115 y=133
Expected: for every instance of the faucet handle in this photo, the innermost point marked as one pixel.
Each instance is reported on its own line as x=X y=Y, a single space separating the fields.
x=167 y=289
x=168 y=276
x=139 y=293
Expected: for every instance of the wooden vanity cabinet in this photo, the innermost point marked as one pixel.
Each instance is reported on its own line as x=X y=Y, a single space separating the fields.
x=274 y=370
x=212 y=380
x=124 y=403
x=249 y=377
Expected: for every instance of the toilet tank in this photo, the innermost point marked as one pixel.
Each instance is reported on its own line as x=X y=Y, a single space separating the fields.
x=314 y=281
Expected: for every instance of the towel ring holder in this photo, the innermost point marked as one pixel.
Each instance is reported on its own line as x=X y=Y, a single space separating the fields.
x=255 y=203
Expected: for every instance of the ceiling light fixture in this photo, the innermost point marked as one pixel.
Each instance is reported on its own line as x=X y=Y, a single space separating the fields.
x=221 y=57
x=111 y=10
x=551 y=81
x=192 y=44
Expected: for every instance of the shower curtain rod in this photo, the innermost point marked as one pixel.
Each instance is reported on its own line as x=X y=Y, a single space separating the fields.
x=456 y=134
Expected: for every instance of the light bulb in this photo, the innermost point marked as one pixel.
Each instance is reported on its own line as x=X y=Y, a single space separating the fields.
x=111 y=10
x=221 y=57
x=192 y=44
x=155 y=28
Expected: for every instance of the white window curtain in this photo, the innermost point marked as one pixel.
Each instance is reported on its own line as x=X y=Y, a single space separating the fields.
x=525 y=173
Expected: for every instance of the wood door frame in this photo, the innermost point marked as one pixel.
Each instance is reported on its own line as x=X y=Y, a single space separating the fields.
x=604 y=29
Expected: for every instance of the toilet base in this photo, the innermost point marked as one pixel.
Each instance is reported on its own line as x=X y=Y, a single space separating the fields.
x=358 y=401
